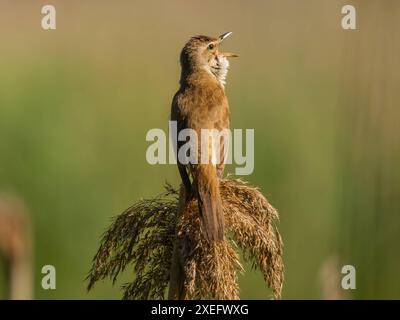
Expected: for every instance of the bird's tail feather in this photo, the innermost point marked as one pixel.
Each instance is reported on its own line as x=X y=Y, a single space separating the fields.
x=210 y=204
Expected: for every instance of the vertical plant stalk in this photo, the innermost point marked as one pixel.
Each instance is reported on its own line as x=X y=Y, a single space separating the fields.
x=16 y=246
x=177 y=278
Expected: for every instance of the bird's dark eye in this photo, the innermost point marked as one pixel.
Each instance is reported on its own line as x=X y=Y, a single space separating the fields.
x=211 y=46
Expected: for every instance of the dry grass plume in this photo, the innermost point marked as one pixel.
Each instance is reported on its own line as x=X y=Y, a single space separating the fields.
x=144 y=235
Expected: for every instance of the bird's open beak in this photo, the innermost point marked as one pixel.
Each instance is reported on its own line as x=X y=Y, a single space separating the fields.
x=223 y=36
x=227 y=54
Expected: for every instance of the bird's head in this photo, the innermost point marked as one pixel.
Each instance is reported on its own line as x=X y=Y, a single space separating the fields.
x=202 y=52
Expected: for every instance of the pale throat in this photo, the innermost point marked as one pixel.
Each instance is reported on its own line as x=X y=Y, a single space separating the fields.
x=219 y=68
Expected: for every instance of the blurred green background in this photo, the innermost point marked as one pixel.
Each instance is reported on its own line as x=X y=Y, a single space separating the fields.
x=76 y=103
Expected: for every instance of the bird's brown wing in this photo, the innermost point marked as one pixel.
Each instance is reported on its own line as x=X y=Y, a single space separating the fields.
x=181 y=120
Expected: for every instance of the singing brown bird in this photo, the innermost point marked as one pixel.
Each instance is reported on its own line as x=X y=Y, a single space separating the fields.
x=201 y=103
